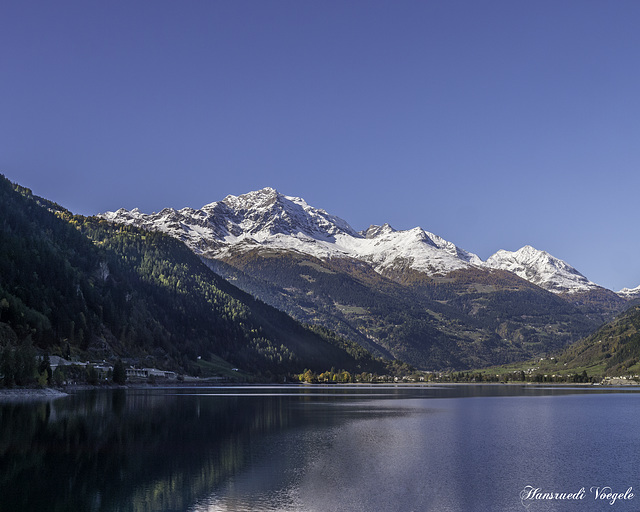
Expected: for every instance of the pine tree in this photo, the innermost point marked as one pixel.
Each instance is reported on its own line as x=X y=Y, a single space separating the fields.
x=119 y=373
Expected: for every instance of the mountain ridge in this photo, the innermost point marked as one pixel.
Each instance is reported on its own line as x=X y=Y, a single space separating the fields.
x=409 y=294
x=269 y=219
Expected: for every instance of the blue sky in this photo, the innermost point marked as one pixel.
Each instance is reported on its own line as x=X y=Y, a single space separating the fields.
x=493 y=124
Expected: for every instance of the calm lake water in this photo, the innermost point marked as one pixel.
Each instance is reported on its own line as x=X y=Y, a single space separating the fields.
x=449 y=448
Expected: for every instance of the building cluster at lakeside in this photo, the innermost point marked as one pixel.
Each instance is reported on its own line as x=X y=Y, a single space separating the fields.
x=104 y=371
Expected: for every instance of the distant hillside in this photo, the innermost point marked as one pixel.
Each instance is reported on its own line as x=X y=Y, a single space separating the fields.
x=614 y=349
x=471 y=318
x=82 y=286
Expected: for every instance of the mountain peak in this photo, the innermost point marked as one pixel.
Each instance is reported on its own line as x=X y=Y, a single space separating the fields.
x=259 y=218
x=374 y=231
x=541 y=268
x=262 y=198
x=529 y=249
x=629 y=293
x=267 y=219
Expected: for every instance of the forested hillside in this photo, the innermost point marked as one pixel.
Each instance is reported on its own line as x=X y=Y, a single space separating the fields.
x=614 y=349
x=83 y=287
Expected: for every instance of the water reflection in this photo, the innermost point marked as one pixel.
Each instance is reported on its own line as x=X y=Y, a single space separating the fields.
x=126 y=451
x=289 y=449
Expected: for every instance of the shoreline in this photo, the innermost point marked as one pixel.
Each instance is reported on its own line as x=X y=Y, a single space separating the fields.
x=47 y=394
x=30 y=394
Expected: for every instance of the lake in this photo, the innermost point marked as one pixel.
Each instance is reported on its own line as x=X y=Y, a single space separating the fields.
x=324 y=448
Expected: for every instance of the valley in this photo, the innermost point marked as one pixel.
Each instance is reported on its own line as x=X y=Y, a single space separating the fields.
x=409 y=294
x=268 y=284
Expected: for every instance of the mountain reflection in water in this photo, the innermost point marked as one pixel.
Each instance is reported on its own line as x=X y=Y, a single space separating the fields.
x=311 y=448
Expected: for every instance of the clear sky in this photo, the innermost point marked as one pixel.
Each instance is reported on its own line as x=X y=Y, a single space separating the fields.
x=492 y=123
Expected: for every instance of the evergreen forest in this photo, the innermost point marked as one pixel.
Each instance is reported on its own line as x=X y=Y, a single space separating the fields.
x=84 y=289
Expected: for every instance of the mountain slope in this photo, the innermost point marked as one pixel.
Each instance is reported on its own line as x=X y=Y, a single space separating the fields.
x=349 y=297
x=613 y=350
x=87 y=287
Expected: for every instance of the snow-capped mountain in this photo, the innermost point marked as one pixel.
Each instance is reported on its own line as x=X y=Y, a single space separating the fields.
x=383 y=247
x=630 y=293
x=256 y=218
x=541 y=268
x=269 y=220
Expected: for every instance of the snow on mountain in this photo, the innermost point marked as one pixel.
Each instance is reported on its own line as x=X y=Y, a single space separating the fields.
x=540 y=268
x=630 y=293
x=268 y=219
x=383 y=246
